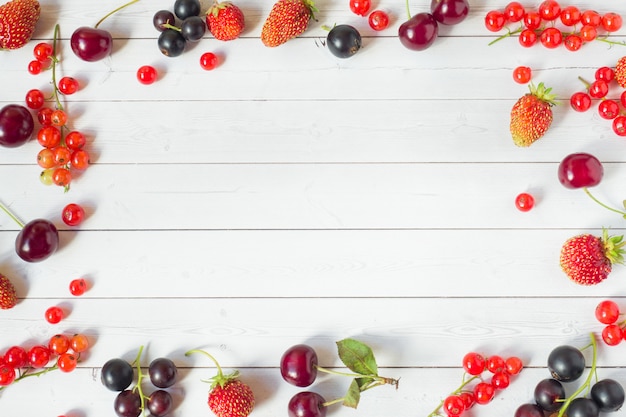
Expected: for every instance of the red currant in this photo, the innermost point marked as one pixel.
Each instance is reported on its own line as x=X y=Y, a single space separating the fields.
x=474 y=363
x=514 y=11
x=608 y=109
x=453 y=405
x=527 y=38
x=573 y=42
x=58 y=117
x=605 y=73
x=49 y=137
x=35 y=67
x=62 y=155
x=598 y=89
x=38 y=356
x=522 y=74
x=34 y=99
x=360 y=7
x=208 y=61
x=495 y=20
x=549 y=10
x=79 y=343
x=591 y=18
x=67 y=362
x=607 y=312
x=580 y=101
x=588 y=33
x=80 y=159
x=16 y=357
x=551 y=37
x=570 y=15
x=612 y=335
x=378 y=20
x=61 y=177
x=468 y=399
x=495 y=364
x=7 y=375
x=484 y=393
x=147 y=74
x=619 y=125
x=500 y=380
x=78 y=286
x=73 y=214
x=59 y=344
x=45 y=158
x=74 y=140
x=68 y=85
x=514 y=365
x=524 y=202
x=611 y=22
x=42 y=51
x=45 y=116
x=54 y=315
x=532 y=20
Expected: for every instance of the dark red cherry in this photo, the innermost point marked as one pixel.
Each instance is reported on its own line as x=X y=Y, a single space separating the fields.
x=298 y=365
x=91 y=44
x=37 y=240
x=16 y=125
x=306 y=404
x=419 y=32
x=449 y=12
x=580 y=170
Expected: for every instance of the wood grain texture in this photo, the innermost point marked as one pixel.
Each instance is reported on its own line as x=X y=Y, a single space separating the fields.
x=290 y=197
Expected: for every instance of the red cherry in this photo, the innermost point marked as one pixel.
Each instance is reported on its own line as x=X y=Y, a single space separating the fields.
x=580 y=170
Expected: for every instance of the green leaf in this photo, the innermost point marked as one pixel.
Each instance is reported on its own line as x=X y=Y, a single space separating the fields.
x=357 y=356
x=353 y=395
x=363 y=382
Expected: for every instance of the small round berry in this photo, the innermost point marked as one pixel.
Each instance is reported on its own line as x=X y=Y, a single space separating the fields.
x=474 y=363
x=580 y=101
x=61 y=155
x=591 y=18
x=67 y=362
x=612 y=335
x=59 y=344
x=208 y=61
x=527 y=38
x=378 y=20
x=501 y=380
x=573 y=42
x=68 y=85
x=598 y=89
x=619 y=125
x=7 y=375
x=73 y=214
x=45 y=158
x=532 y=20
x=495 y=364
x=608 y=109
x=514 y=12
x=78 y=287
x=484 y=393
x=611 y=22
x=514 y=365
x=570 y=15
x=38 y=356
x=49 y=137
x=79 y=343
x=360 y=7
x=58 y=118
x=522 y=74
x=605 y=73
x=607 y=312
x=34 y=99
x=551 y=37
x=54 y=315
x=453 y=405
x=549 y=10
x=495 y=20
x=35 y=67
x=588 y=33
x=61 y=177
x=45 y=116
x=524 y=202
x=46 y=176
x=147 y=74
x=16 y=356
x=42 y=51
x=74 y=140
x=80 y=159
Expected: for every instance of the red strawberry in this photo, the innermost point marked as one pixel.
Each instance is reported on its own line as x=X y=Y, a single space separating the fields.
x=588 y=259
x=17 y=22
x=620 y=72
x=225 y=21
x=228 y=396
x=287 y=19
x=8 y=298
x=531 y=115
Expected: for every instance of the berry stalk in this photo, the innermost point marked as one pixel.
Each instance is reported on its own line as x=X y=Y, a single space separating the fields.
x=11 y=215
x=622 y=213
x=140 y=376
x=587 y=383
x=114 y=11
x=435 y=412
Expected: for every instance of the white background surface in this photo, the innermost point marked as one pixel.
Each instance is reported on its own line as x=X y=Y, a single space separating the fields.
x=291 y=197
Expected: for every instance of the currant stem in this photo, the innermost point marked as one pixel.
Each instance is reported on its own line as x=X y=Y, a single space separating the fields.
x=114 y=11
x=27 y=374
x=587 y=383
x=137 y=363
x=55 y=61
x=11 y=215
x=602 y=204
x=506 y=35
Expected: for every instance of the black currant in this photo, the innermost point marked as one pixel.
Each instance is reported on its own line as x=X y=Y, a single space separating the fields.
x=529 y=410
x=566 y=363
x=117 y=374
x=193 y=28
x=582 y=407
x=162 y=372
x=343 y=41
x=186 y=8
x=163 y=17
x=171 y=43
x=549 y=394
x=608 y=394
x=127 y=404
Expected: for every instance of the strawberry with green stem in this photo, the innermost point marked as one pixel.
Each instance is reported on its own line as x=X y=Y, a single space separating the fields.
x=228 y=396
x=531 y=115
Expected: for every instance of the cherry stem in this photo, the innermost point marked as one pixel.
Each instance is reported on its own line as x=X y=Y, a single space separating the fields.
x=380 y=380
x=587 y=382
x=114 y=11
x=435 y=412
x=408 y=10
x=602 y=204
x=11 y=215
x=220 y=374
x=140 y=376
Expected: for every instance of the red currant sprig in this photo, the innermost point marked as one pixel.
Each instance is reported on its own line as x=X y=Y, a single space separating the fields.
x=484 y=390
x=608 y=313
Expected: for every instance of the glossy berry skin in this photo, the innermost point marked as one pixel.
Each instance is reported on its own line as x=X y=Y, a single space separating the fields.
x=551 y=37
x=37 y=240
x=67 y=362
x=127 y=404
x=529 y=410
x=7 y=375
x=514 y=365
x=419 y=32
x=34 y=99
x=161 y=18
x=522 y=74
x=160 y=403
x=607 y=312
x=608 y=109
x=549 y=394
x=73 y=214
x=78 y=287
x=619 y=125
x=343 y=41
x=16 y=125
x=449 y=12
x=162 y=372
x=171 y=43
x=298 y=365
x=16 y=356
x=54 y=315
x=378 y=20
x=474 y=363
x=484 y=393
x=580 y=101
x=580 y=170
x=117 y=374
x=583 y=407
x=608 y=394
x=147 y=74
x=59 y=344
x=38 y=356
x=495 y=20
x=612 y=335
x=193 y=28
x=68 y=85
x=453 y=405
x=566 y=363
x=306 y=404
x=524 y=202
x=91 y=44
x=360 y=7
x=186 y=8
x=208 y=61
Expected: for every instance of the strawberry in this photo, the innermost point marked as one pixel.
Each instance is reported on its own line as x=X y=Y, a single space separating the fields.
x=287 y=19
x=17 y=22
x=228 y=396
x=8 y=298
x=620 y=72
x=588 y=259
x=531 y=115
x=225 y=21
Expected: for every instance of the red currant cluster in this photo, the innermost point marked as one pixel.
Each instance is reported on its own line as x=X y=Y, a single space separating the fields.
x=19 y=362
x=608 y=313
x=608 y=108
x=378 y=19
x=63 y=148
x=553 y=25
x=484 y=391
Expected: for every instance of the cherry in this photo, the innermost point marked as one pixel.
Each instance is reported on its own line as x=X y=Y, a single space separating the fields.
x=306 y=404
x=419 y=32
x=298 y=365
x=449 y=12
x=580 y=170
x=16 y=125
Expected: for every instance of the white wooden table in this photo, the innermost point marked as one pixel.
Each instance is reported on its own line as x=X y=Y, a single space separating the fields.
x=291 y=197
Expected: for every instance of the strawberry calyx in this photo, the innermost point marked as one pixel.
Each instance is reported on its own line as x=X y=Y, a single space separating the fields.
x=543 y=93
x=220 y=379
x=613 y=247
x=217 y=7
x=311 y=6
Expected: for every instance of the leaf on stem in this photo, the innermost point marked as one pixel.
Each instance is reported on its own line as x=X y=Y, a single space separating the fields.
x=357 y=356
x=353 y=395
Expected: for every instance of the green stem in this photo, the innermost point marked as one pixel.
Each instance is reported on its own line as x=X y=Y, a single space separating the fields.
x=587 y=382
x=27 y=374
x=55 y=61
x=605 y=40
x=602 y=204
x=207 y=354
x=140 y=376
x=506 y=35
x=408 y=10
x=11 y=215
x=114 y=11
